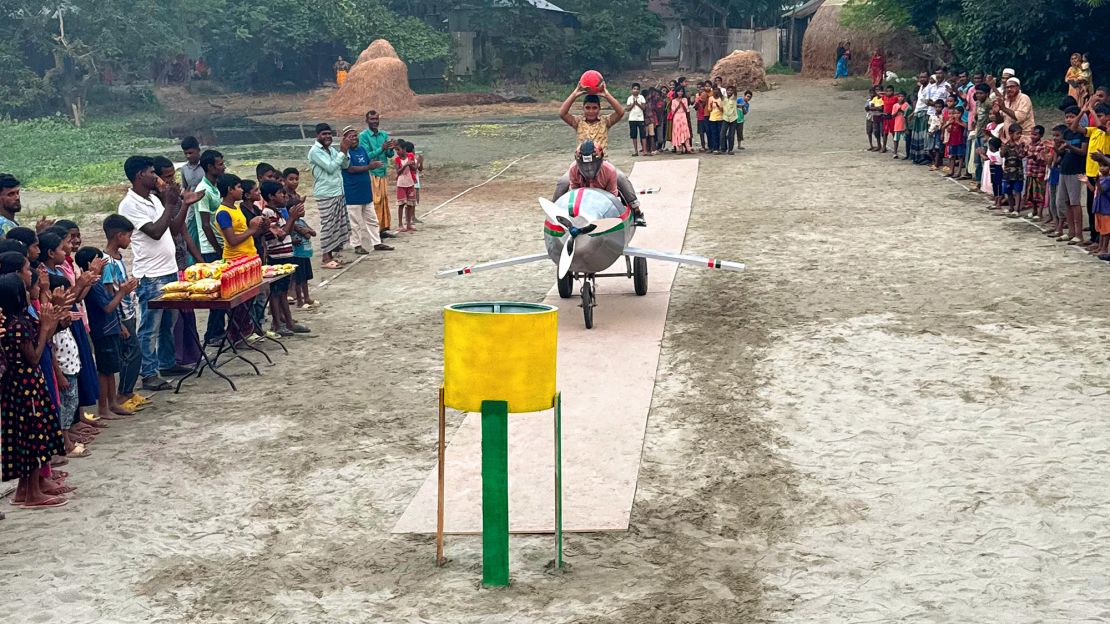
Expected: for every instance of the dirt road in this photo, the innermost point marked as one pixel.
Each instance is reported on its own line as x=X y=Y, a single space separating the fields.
x=893 y=415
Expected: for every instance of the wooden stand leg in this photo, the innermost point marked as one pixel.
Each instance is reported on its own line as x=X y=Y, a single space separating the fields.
x=440 y=560
x=558 y=481
x=495 y=493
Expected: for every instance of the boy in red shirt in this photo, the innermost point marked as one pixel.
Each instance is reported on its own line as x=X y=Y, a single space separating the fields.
x=954 y=135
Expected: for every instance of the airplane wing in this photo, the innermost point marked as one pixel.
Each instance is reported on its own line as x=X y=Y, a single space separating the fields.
x=496 y=264
x=705 y=263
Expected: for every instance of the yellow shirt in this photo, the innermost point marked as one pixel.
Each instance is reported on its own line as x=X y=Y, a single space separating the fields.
x=238 y=225
x=1098 y=140
x=598 y=132
x=715 y=113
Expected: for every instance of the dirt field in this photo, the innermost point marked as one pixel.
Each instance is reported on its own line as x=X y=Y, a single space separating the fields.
x=893 y=415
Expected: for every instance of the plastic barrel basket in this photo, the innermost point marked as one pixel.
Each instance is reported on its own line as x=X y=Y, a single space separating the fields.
x=499 y=351
x=498 y=358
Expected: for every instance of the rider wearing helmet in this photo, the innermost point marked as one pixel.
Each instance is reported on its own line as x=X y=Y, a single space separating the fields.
x=591 y=170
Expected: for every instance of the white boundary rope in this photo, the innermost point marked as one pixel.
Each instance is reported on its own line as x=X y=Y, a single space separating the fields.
x=352 y=265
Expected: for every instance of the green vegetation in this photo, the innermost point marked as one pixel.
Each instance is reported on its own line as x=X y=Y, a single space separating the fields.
x=53 y=53
x=50 y=154
x=863 y=83
x=990 y=35
x=780 y=69
x=88 y=204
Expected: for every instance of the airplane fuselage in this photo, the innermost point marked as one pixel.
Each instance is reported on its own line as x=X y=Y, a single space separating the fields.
x=597 y=251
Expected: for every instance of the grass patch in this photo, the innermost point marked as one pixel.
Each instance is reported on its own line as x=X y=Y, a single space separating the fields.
x=51 y=154
x=780 y=69
x=88 y=205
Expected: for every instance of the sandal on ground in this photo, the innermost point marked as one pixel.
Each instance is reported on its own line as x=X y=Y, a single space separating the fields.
x=79 y=450
x=331 y=265
x=51 y=501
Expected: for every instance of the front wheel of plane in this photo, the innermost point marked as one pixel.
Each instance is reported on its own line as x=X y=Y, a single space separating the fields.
x=566 y=286
x=588 y=304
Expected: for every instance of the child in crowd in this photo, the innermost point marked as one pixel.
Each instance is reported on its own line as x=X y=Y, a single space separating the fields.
x=67 y=365
x=954 y=130
x=104 y=326
x=936 y=136
x=238 y=234
x=874 y=102
x=742 y=107
x=117 y=233
x=251 y=207
x=1059 y=218
x=31 y=433
x=714 y=115
x=30 y=241
x=1013 y=170
x=280 y=251
x=898 y=113
x=701 y=101
x=1101 y=208
x=993 y=158
x=405 y=162
x=889 y=101
x=1036 y=164
x=728 y=121
x=302 y=242
x=53 y=252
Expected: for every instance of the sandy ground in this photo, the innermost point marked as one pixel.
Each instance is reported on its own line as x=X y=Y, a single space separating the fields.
x=891 y=416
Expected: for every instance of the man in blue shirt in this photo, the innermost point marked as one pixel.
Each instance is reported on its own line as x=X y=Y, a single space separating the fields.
x=380 y=148
x=360 y=197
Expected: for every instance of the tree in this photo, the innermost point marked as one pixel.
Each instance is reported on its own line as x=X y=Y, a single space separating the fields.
x=989 y=35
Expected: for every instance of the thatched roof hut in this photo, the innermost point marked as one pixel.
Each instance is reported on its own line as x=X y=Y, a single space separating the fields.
x=825 y=31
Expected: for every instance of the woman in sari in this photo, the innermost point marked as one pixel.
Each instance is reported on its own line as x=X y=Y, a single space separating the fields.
x=842 y=61
x=877 y=68
x=1078 y=77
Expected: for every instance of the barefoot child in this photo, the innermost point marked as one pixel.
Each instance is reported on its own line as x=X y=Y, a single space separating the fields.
x=1013 y=170
x=935 y=144
x=31 y=433
x=993 y=158
x=1102 y=208
x=1036 y=164
x=302 y=243
x=955 y=132
x=280 y=251
x=67 y=365
x=104 y=326
x=899 y=121
x=406 y=181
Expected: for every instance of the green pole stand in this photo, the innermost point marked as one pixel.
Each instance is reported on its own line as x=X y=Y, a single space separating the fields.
x=558 y=481
x=495 y=493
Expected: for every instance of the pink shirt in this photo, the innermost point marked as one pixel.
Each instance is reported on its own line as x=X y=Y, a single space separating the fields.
x=606 y=179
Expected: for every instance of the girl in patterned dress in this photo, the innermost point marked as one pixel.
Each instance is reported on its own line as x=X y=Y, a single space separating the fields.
x=31 y=435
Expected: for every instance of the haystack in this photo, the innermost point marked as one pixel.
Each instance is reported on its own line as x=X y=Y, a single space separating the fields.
x=742 y=68
x=825 y=31
x=379 y=81
x=379 y=48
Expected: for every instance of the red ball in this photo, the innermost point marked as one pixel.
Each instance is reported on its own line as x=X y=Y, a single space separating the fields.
x=591 y=81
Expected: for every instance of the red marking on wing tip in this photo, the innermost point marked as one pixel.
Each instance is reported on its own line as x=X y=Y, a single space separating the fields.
x=466 y=271
x=711 y=263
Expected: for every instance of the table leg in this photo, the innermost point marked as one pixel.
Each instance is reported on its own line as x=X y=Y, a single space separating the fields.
x=198 y=367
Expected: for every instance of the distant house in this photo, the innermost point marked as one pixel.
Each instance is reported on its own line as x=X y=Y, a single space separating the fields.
x=795 y=22
x=668 y=54
x=471 y=30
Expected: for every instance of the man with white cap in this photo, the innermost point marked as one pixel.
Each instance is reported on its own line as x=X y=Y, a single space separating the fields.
x=1016 y=107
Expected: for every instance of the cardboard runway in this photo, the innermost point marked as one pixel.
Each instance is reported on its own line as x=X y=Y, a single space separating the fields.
x=606 y=375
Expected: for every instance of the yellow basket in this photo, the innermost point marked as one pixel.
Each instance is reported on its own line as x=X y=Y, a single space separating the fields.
x=499 y=351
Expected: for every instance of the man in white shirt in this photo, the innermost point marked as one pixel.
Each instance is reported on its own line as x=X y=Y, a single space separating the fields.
x=155 y=264
x=938 y=90
x=636 y=106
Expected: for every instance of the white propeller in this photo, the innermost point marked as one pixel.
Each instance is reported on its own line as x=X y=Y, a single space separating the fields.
x=574 y=226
